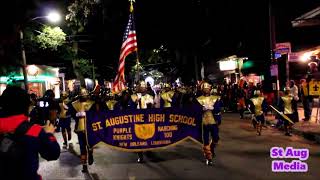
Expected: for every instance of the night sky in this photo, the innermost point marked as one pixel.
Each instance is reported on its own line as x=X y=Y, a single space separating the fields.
x=210 y=29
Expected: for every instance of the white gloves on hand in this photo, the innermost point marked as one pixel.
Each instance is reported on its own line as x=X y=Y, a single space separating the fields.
x=206 y=108
x=81 y=114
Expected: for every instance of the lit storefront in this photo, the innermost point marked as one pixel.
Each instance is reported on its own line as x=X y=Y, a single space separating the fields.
x=40 y=78
x=231 y=67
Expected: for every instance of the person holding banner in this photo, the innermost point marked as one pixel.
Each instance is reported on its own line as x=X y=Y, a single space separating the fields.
x=79 y=108
x=286 y=107
x=167 y=97
x=111 y=101
x=258 y=106
x=141 y=100
x=211 y=119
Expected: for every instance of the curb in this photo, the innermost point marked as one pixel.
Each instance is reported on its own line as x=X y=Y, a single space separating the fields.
x=307 y=135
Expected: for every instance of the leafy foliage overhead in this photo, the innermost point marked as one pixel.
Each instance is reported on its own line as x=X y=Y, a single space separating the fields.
x=51 y=37
x=79 y=11
x=85 y=67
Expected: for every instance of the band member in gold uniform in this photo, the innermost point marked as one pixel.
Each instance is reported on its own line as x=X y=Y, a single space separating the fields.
x=111 y=101
x=258 y=107
x=286 y=108
x=167 y=96
x=141 y=100
x=211 y=119
x=80 y=107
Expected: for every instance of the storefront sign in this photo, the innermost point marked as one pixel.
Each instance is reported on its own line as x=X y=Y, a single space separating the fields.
x=294 y=57
x=283 y=48
x=227 y=65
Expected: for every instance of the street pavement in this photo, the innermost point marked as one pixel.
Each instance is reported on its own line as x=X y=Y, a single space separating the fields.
x=240 y=155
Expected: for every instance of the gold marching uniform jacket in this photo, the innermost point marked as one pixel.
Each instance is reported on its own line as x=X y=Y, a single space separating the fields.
x=110 y=104
x=63 y=108
x=287 y=100
x=208 y=102
x=167 y=98
x=145 y=99
x=81 y=108
x=257 y=102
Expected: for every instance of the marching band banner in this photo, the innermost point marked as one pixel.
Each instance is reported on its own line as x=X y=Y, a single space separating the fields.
x=143 y=129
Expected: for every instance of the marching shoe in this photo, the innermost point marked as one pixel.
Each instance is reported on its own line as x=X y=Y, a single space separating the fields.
x=140 y=160
x=84 y=169
x=287 y=134
x=209 y=162
x=258 y=133
x=69 y=136
x=90 y=158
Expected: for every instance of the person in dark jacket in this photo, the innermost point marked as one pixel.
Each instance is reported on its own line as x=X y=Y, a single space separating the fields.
x=37 y=139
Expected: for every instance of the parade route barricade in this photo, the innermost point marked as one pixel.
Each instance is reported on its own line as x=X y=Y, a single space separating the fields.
x=307 y=129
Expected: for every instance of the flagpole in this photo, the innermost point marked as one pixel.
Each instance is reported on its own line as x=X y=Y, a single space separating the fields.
x=137 y=61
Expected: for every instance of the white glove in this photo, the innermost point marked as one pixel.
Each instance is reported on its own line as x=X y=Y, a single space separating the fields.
x=210 y=107
x=138 y=97
x=204 y=108
x=81 y=114
x=65 y=106
x=150 y=101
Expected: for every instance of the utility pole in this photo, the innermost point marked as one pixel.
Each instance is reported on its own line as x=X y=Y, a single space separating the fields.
x=24 y=62
x=272 y=47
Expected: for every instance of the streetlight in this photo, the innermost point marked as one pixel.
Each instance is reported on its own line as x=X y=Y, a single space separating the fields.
x=53 y=17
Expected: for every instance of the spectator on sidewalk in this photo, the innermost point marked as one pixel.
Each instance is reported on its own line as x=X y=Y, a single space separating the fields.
x=286 y=107
x=304 y=86
x=294 y=91
x=20 y=158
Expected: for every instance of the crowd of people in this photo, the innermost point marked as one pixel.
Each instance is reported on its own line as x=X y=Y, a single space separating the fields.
x=35 y=119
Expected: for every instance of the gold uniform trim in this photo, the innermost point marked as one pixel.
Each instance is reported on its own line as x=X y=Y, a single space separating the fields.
x=207 y=116
x=287 y=104
x=143 y=99
x=167 y=96
x=82 y=107
x=110 y=104
x=257 y=102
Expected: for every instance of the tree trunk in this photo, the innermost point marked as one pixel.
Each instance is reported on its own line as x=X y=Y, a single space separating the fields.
x=75 y=65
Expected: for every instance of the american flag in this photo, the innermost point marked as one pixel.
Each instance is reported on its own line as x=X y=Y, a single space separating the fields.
x=129 y=45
